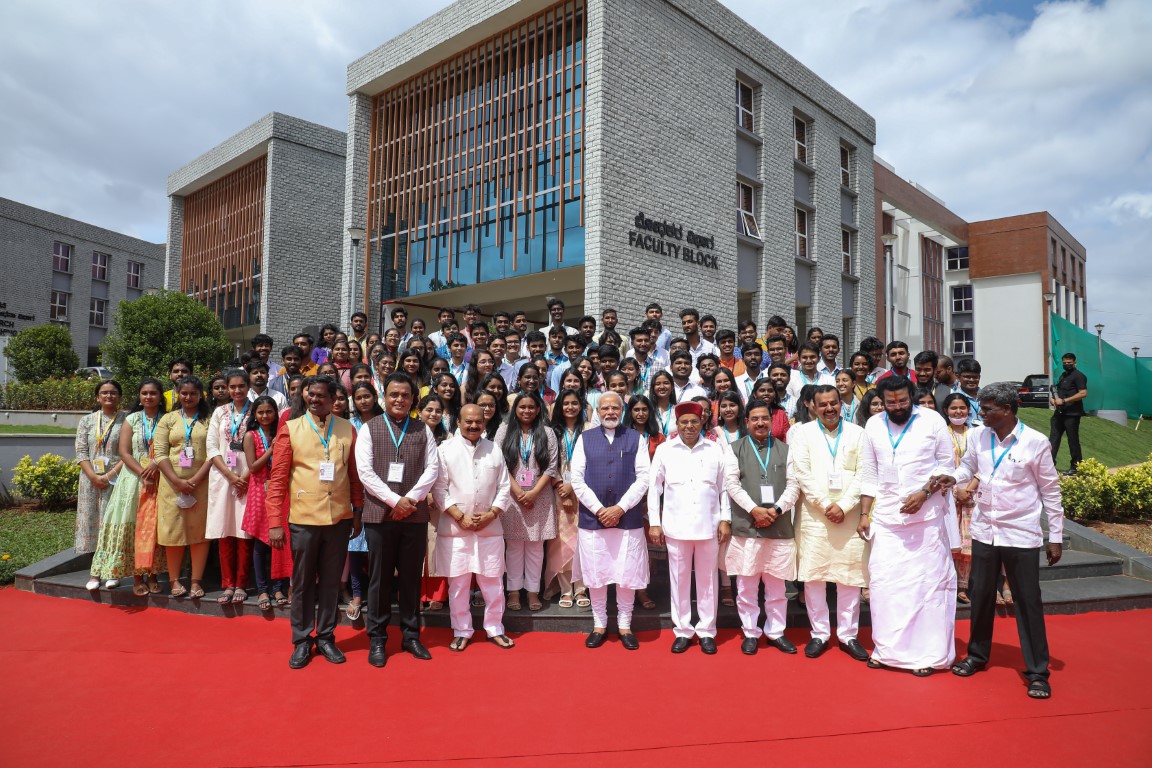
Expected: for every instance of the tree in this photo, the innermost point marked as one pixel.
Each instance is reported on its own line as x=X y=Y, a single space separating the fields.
x=152 y=330
x=41 y=352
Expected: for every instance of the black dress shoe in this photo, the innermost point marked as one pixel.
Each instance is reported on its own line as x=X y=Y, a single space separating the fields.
x=595 y=640
x=854 y=649
x=680 y=644
x=301 y=655
x=708 y=645
x=750 y=646
x=629 y=641
x=416 y=648
x=376 y=655
x=783 y=644
x=330 y=651
x=815 y=647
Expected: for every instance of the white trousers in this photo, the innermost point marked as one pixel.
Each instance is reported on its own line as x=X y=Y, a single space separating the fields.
x=682 y=555
x=847 y=610
x=748 y=605
x=461 y=611
x=625 y=601
x=525 y=560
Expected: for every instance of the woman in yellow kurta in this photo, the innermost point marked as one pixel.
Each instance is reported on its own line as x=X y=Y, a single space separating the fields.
x=181 y=450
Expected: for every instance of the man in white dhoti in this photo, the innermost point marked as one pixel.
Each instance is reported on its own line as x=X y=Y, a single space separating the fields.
x=695 y=521
x=825 y=457
x=906 y=455
x=473 y=491
x=762 y=549
x=610 y=477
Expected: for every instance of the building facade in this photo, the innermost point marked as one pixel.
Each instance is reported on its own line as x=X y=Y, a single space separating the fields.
x=262 y=209
x=65 y=271
x=979 y=289
x=506 y=150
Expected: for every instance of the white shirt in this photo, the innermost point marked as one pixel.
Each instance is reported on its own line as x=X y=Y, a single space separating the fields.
x=508 y=370
x=663 y=341
x=635 y=493
x=281 y=401
x=744 y=384
x=1013 y=495
x=473 y=478
x=798 y=381
x=692 y=481
x=823 y=369
x=436 y=339
x=890 y=475
x=376 y=486
x=688 y=391
x=653 y=364
x=703 y=348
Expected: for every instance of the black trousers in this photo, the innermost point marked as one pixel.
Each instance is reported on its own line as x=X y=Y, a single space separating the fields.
x=1066 y=424
x=1022 y=568
x=318 y=553
x=395 y=563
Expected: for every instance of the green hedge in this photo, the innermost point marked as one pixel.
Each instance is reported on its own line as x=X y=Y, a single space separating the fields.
x=1094 y=493
x=51 y=480
x=71 y=394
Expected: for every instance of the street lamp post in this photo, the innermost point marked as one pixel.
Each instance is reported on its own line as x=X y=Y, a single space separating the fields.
x=1100 y=345
x=1049 y=297
x=889 y=239
x=356 y=234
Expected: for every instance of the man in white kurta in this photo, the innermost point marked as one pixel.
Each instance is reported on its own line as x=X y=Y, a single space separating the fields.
x=610 y=478
x=473 y=491
x=762 y=549
x=910 y=574
x=825 y=456
x=689 y=472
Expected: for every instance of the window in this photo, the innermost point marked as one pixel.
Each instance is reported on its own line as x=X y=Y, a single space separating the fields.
x=958 y=258
x=801 y=131
x=135 y=273
x=746 y=211
x=744 y=115
x=962 y=341
x=61 y=257
x=847 y=249
x=887 y=224
x=98 y=313
x=802 y=233
x=58 y=308
x=100 y=266
x=846 y=166
x=961 y=298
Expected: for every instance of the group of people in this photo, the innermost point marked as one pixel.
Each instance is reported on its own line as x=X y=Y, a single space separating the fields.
x=500 y=467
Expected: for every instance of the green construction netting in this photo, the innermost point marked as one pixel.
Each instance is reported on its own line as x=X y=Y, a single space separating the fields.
x=1116 y=381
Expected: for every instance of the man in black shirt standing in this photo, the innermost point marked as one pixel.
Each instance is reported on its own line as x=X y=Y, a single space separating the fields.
x=1067 y=398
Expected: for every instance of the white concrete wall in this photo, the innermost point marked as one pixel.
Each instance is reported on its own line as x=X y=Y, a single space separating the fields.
x=1009 y=326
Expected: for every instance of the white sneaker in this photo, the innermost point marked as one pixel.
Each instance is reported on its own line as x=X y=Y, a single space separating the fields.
x=111 y=583
x=92 y=585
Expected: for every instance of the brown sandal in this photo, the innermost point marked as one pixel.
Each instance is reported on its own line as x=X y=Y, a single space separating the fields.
x=534 y=603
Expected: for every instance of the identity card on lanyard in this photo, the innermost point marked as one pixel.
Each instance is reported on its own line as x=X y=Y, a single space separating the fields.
x=327 y=467
x=986 y=493
x=396 y=468
x=234 y=445
x=187 y=453
x=767 y=492
x=525 y=477
x=891 y=473
x=835 y=476
x=100 y=464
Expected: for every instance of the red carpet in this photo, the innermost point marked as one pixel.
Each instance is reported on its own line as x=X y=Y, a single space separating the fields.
x=91 y=685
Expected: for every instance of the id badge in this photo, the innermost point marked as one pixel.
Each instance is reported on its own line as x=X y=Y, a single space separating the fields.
x=230 y=459
x=890 y=475
x=985 y=496
x=526 y=478
x=395 y=471
x=568 y=478
x=99 y=466
x=767 y=494
x=189 y=452
x=835 y=480
x=327 y=471
x=185 y=460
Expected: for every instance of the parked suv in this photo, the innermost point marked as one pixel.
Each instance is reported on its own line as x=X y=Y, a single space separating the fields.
x=1035 y=390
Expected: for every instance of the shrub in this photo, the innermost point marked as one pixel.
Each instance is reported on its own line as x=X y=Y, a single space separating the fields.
x=1095 y=494
x=51 y=480
x=40 y=352
x=71 y=394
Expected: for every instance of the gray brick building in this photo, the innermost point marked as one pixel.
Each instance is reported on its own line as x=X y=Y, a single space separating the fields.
x=66 y=271
x=610 y=152
x=254 y=228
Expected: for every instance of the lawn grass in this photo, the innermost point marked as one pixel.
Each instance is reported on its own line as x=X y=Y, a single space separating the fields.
x=1100 y=439
x=29 y=536
x=17 y=429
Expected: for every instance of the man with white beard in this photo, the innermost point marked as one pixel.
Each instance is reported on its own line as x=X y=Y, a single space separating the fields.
x=610 y=478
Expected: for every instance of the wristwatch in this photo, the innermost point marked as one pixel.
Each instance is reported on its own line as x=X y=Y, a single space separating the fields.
x=927 y=492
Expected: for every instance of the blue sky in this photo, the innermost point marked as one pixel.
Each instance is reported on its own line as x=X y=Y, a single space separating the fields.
x=997 y=107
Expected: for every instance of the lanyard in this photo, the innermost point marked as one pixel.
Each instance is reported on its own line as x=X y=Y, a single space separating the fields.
x=958 y=449
x=392 y=433
x=748 y=386
x=1007 y=449
x=896 y=443
x=149 y=430
x=187 y=428
x=323 y=439
x=264 y=437
x=852 y=410
x=457 y=370
x=813 y=381
x=357 y=420
x=525 y=449
x=835 y=450
x=663 y=422
x=569 y=444
x=236 y=422
x=767 y=458
x=103 y=431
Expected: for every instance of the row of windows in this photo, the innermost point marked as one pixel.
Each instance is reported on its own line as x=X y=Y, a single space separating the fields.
x=61 y=300
x=62 y=262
